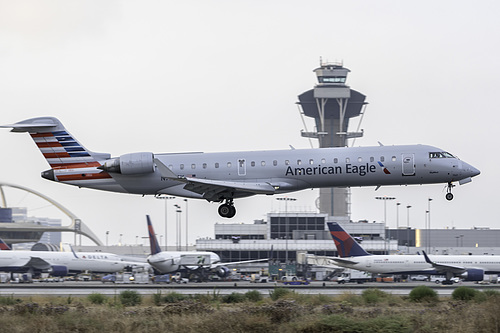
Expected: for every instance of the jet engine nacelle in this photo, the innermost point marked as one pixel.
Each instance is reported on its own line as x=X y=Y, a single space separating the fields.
x=222 y=271
x=130 y=164
x=58 y=270
x=473 y=274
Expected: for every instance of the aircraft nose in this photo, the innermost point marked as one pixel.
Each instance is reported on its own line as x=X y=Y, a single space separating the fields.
x=470 y=171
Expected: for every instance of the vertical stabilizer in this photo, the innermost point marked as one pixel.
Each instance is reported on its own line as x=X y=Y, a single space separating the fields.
x=153 y=241
x=346 y=245
x=4 y=246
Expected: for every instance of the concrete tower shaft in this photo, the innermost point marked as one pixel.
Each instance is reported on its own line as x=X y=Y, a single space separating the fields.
x=332 y=104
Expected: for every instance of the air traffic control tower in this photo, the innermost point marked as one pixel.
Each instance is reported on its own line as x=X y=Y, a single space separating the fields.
x=332 y=104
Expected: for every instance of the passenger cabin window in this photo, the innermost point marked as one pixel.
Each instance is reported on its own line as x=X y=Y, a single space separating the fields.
x=229 y=164
x=323 y=161
x=193 y=166
x=204 y=165
x=252 y=163
x=372 y=159
x=360 y=159
x=394 y=158
x=299 y=162
x=287 y=162
x=335 y=160
x=382 y=159
x=311 y=161
x=347 y=160
x=182 y=166
x=170 y=166
x=275 y=163
x=217 y=165
x=263 y=163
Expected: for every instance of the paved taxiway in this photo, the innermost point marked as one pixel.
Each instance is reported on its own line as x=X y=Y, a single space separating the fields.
x=222 y=288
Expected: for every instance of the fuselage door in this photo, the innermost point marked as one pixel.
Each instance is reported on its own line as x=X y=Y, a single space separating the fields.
x=242 y=167
x=408 y=161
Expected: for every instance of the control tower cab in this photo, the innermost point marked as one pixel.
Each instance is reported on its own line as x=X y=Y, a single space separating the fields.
x=332 y=104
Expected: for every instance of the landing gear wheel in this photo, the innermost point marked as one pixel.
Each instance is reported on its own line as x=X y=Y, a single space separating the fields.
x=449 y=195
x=227 y=211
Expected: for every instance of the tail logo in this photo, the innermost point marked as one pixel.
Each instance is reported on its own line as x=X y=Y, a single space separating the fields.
x=343 y=242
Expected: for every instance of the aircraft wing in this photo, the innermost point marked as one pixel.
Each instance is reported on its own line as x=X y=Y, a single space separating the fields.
x=442 y=268
x=236 y=263
x=209 y=188
x=343 y=261
x=38 y=263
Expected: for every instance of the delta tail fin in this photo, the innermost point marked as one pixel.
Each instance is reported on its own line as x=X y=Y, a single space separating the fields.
x=346 y=245
x=153 y=241
x=4 y=246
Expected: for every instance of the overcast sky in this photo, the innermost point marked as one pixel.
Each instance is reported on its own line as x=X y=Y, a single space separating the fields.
x=173 y=76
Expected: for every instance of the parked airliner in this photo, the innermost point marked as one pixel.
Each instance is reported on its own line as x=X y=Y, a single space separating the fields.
x=222 y=177
x=64 y=263
x=196 y=263
x=352 y=255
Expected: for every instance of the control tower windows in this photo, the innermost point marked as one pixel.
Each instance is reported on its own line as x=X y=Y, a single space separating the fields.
x=332 y=79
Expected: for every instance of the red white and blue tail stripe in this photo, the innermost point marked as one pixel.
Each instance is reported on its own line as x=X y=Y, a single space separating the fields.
x=70 y=161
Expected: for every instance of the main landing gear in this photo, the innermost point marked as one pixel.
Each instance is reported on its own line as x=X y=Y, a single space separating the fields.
x=227 y=209
x=449 y=195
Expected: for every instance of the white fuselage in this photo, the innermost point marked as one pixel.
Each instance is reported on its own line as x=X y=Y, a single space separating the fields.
x=85 y=261
x=173 y=261
x=416 y=264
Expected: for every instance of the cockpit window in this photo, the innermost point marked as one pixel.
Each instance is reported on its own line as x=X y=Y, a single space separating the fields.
x=441 y=154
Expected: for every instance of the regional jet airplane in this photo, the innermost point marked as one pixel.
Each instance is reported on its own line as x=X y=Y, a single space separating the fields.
x=352 y=255
x=196 y=263
x=222 y=177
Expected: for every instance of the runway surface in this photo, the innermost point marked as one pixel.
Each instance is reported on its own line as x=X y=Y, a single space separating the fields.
x=222 y=288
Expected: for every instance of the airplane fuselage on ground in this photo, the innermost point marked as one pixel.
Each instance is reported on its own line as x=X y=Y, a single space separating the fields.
x=416 y=264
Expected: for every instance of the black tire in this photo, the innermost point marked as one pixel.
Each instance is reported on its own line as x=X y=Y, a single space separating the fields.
x=449 y=196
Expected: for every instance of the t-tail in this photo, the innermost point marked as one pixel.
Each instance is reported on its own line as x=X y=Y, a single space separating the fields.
x=69 y=160
x=346 y=245
x=153 y=241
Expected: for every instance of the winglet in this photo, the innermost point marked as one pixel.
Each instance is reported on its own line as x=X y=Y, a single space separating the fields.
x=346 y=245
x=427 y=260
x=153 y=241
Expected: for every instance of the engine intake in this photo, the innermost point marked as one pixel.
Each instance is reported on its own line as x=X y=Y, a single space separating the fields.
x=130 y=164
x=222 y=271
x=473 y=274
x=58 y=270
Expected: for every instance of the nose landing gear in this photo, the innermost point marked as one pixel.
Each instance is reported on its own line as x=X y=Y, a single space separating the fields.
x=449 y=195
x=227 y=209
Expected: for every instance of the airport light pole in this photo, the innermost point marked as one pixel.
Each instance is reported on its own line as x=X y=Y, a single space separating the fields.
x=107 y=234
x=408 y=229
x=429 y=224
x=286 y=199
x=178 y=226
x=166 y=198
x=385 y=199
x=186 y=201
x=397 y=221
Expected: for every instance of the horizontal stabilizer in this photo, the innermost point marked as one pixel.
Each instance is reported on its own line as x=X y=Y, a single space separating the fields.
x=344 y=261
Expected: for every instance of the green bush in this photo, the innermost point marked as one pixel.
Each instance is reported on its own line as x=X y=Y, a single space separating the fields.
x=373 y=295
x=9 y=300
x=278 y=293
x=464 y=293
x=130 y=298
x=253 y=296
x=423 y=294
x=96 y=298
x=174 y=297
x=233 y=298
